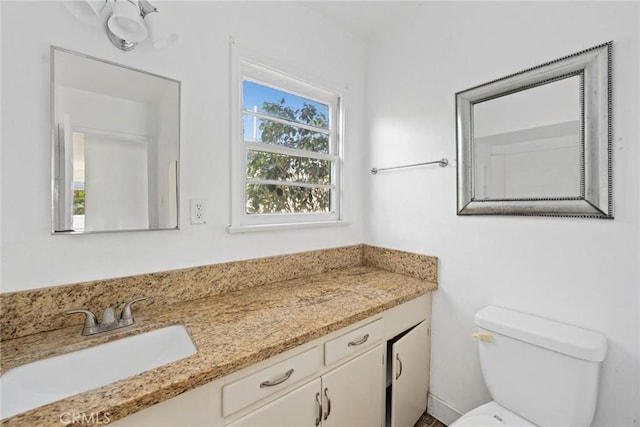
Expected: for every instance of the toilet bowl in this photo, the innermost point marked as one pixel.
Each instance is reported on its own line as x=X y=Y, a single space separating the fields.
x=539 y=372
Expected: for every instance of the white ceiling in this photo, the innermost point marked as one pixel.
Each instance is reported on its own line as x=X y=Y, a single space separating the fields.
x=362 y=18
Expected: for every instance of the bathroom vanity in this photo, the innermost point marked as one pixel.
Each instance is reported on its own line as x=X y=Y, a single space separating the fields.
x=315 y=349
x=327 y=382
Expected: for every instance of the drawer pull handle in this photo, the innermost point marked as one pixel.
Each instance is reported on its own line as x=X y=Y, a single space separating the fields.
x=399 y=366
x=359 y=342
x=326 y=414
x=280 y=380
x=319 y=417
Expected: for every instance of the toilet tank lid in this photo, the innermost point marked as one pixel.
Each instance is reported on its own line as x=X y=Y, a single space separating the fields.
x=556 y=336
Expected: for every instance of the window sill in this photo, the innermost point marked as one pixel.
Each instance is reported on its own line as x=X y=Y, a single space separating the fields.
x=233 y=229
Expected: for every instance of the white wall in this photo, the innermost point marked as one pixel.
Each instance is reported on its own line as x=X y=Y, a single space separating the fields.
x=581 y=271
x=32 y=257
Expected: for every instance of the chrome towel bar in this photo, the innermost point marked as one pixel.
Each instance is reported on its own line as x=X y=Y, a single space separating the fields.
x=441 y=162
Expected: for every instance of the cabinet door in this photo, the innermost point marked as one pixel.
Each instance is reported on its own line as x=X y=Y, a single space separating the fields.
x=352 y=394
x=192 y=408
x=410 y=376
x=300 y=408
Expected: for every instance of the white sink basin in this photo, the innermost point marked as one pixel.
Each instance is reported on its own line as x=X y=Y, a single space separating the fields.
x=45 y=381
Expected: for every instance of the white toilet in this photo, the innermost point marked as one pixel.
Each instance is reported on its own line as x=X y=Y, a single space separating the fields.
x=538 y=372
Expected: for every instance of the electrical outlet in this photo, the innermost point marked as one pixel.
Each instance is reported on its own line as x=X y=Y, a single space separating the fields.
x=198 y=211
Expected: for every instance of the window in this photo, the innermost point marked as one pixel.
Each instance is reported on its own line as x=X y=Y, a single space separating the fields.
x=287 y=158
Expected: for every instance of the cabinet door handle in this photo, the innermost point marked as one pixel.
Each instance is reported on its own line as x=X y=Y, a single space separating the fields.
x=277 y=381
x=319 y=418
x=399 y=366
x=326 y=414
x=359 y=342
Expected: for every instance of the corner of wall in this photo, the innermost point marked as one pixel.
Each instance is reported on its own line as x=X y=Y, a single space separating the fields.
x=441 y=410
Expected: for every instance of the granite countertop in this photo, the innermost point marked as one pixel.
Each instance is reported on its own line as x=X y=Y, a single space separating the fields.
x=231 y=331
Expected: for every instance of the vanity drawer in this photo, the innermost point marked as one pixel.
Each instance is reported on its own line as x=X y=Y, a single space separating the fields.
x=353 y=341
x=261 y=384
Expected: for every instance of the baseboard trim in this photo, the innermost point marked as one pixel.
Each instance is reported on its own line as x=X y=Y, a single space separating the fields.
x=443 y=411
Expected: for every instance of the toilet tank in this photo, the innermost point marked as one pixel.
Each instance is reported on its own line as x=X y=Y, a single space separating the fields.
x=544 y=371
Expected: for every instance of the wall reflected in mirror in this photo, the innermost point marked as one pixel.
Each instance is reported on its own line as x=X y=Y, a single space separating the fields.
x=115 y=137
x=521 y=152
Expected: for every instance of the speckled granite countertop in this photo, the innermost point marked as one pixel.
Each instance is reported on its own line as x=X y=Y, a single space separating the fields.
x=231 y=331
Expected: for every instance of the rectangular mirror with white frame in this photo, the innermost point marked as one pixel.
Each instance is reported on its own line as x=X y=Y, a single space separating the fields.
x=538 y=142
x=115 y=137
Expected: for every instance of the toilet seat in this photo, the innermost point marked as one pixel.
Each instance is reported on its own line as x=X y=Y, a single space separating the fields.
x=477 y=421
x=491 y=415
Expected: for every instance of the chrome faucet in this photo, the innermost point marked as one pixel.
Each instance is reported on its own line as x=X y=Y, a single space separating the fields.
x=109 y=321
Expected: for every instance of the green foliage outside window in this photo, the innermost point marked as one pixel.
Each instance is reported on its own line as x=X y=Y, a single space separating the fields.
x=78 y=202
x=267 y=198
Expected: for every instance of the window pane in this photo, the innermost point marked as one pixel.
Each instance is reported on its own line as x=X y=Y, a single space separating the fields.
x=284 y=105
x=272 y=199
x=78 y=197
x=282 y=167
x=270 y=132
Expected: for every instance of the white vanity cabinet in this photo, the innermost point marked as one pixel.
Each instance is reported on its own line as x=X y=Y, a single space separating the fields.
x=269 y=380
x=300 y=408
x=192 y=408
x=339 y=380
x=352 y=395
x=408 y=376
x=346 y=396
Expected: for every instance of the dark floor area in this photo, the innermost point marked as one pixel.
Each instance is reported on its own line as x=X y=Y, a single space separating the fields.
x=427 y=420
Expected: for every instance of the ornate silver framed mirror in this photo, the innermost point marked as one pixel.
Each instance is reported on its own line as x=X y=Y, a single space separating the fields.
x=538 y=142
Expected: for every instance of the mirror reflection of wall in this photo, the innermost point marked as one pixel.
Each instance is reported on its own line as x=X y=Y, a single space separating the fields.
x=115 y=146
x=527 y=143
x=112 y=191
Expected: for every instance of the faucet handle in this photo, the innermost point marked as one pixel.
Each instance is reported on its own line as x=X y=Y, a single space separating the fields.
x=108 y=316
x=126 y=315
x=90 y=321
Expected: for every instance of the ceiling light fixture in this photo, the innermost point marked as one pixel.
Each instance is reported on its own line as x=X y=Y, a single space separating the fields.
x=127 y=23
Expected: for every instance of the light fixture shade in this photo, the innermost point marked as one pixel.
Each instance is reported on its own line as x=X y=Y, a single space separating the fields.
x=161 y=36
x=126 y=22
x=85 y=11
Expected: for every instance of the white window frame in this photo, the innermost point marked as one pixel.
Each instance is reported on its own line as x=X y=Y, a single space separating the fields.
x=246 y=66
